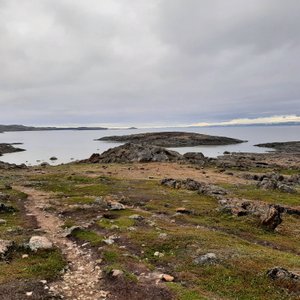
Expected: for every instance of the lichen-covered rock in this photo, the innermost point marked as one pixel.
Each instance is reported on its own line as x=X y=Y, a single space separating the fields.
x=188 y=184
x=39 y=242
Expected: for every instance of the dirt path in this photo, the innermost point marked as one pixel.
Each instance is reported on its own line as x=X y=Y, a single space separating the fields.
x=81 y=280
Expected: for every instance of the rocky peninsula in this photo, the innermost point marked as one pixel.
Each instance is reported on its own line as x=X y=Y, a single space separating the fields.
x=283 y=146
x=9 y=148
x=172 y=139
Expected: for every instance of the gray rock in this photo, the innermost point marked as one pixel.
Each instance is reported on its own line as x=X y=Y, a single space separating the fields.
x=39 y=242
x=206 y=259
x=136 y=217
x=5 y=247
x=114 y=205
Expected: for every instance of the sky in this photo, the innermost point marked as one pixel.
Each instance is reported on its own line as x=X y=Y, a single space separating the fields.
x=141 y=62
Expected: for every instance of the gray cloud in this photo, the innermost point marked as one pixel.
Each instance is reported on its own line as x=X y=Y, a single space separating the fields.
x=154 y=62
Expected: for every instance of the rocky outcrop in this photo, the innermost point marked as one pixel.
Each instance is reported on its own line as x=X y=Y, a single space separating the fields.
x=193 y=185
x=282 y=274
x=173 y=139
x=196 y=158
x=275 y=181
x=130 y=152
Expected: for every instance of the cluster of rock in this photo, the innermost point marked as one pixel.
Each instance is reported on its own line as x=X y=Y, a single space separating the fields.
x=193 y=185
x=275 y=181
x=144 y=153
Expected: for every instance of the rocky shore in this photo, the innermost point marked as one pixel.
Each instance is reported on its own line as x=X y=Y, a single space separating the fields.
x=173 y=139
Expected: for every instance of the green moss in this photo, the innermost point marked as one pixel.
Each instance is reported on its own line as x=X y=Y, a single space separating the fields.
x=41 y=265
x=88 y=236
x=184 y=293
x=110 y=256
x=251 y=192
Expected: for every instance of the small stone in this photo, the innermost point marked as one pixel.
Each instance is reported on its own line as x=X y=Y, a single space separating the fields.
x=136 y=217
x=29 y=294
x=2 y=221
x=167 y=278
x=116 y=273
x=158 y=254
x=25 y=256
x=109 y=241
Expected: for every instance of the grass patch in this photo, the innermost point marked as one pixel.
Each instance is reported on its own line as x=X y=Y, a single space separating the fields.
x=88 y=236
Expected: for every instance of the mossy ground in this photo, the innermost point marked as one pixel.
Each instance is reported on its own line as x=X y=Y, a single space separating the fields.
x=245 y=250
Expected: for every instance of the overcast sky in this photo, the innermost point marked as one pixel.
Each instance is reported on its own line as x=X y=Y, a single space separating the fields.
x=160 y=62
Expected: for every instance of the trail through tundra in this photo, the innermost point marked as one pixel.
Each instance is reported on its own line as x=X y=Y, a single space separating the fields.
x=81 y=281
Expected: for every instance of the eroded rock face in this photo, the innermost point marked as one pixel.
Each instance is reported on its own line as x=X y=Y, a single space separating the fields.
x=136 y=153
x=273 y=217
x=39 y=242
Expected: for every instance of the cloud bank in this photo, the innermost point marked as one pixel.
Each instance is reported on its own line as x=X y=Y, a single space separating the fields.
x=140 y=62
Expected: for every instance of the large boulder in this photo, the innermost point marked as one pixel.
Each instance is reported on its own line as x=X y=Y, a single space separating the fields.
x=188 y=184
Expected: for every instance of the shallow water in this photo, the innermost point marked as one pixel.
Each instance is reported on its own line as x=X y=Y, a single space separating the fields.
x=73 y=145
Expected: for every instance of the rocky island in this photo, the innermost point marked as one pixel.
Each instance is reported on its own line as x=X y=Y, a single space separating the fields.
x=172 y=139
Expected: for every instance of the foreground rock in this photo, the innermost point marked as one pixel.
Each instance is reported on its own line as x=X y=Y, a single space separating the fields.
x=39 y=242
x=136 y=153
x=173 y=139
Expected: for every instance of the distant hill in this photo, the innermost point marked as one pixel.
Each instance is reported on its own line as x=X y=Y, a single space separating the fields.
x=6 y=128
